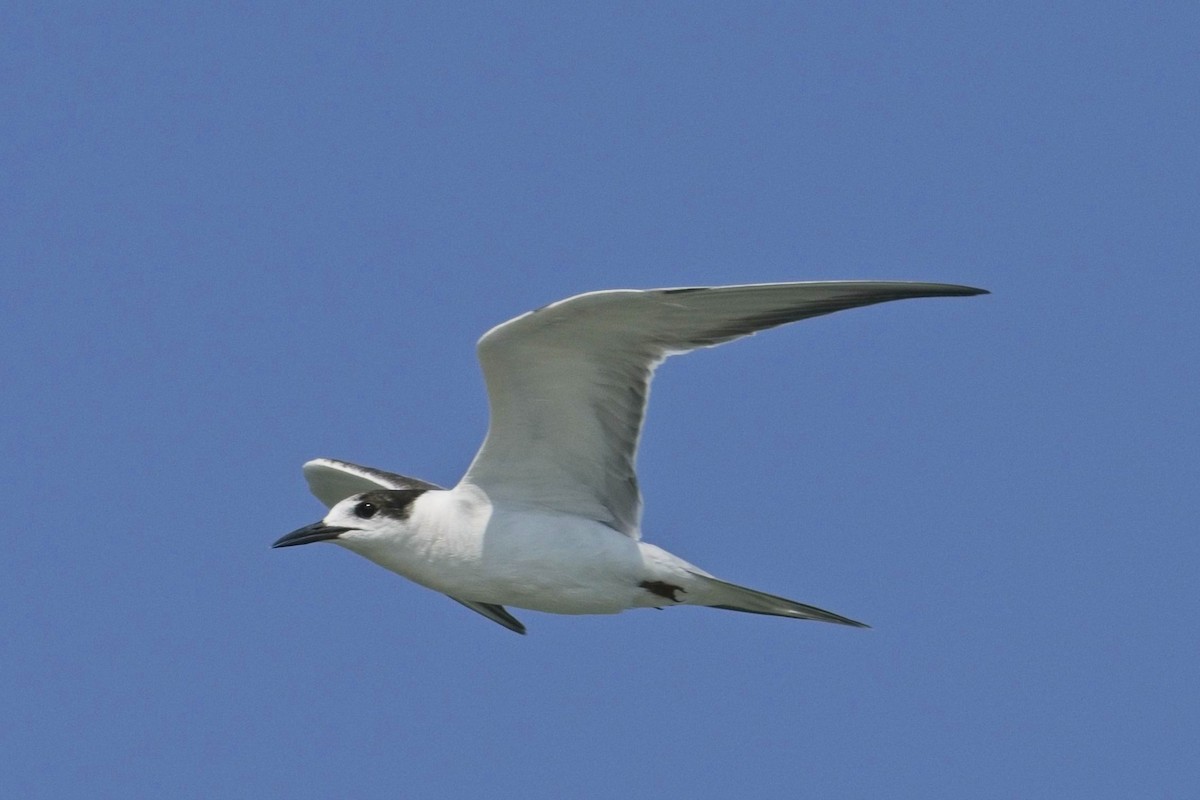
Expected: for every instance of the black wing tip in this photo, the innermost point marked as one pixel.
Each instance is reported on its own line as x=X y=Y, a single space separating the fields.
x=938 y=288
x=917 y=291
x=821 y=615
x=945 y=290
x=970 y=291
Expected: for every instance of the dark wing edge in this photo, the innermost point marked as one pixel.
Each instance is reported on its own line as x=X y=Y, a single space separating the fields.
x=496 y=613
x=838 y=296
x=332 y=481
x=567 y=384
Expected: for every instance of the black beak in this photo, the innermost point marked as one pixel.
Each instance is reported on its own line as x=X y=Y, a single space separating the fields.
x=317 y=532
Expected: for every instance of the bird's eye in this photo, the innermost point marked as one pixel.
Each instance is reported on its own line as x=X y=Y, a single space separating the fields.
x=365 y=510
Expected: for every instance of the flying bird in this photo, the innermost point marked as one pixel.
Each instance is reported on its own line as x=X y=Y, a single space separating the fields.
x=548 y=515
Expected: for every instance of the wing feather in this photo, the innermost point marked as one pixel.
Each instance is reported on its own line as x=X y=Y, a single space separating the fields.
x=568 y=383
x=332 y=481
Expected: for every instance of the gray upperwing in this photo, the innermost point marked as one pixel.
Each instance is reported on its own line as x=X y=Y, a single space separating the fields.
x=567 y=384
x=333 y=481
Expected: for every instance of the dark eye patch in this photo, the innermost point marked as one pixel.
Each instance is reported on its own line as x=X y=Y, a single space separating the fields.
x=391 y=503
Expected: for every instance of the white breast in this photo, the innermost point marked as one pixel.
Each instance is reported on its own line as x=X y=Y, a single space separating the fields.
x=457 y=543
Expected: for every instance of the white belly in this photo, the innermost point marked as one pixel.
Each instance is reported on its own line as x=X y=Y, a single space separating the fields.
x=546 y=562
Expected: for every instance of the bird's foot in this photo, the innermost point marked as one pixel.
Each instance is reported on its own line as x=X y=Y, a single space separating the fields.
x=662 y=589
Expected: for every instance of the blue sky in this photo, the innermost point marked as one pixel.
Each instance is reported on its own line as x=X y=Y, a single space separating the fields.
x=238 y=237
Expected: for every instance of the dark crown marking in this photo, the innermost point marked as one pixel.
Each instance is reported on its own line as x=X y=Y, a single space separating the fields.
x=392 y=503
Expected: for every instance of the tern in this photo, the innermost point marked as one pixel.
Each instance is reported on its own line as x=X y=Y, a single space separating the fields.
x=548 y=514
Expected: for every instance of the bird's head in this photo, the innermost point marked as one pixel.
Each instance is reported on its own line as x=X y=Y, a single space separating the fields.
x=360 y=520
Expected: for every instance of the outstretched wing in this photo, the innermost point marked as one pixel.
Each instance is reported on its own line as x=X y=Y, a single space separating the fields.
x=333 y=481
x=567 y=384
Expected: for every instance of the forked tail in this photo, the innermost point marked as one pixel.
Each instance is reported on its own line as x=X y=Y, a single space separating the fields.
x=738 y=598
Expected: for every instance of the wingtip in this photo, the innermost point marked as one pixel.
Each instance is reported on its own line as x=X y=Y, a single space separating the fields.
x=836 y=619
x=956 y=290
x=945 y=290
